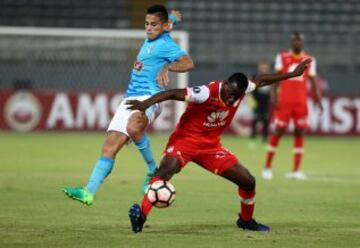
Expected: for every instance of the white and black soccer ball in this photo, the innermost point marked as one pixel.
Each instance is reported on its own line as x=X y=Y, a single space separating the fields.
x=161 y=194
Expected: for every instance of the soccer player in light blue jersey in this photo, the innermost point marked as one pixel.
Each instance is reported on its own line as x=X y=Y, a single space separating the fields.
x=158 y=55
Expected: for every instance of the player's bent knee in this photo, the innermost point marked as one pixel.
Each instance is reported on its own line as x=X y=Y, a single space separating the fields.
x=299 y=132
x=134 y=132
x=168 y=167
x=249 y=184
x=136 y=125
x=279 y=131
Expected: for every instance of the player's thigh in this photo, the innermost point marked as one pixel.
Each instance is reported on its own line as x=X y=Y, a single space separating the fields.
x=122 y=116
x=141 y=119
x=137 y=123
x=180 y=150
x=300 y=116
x=240 y=176
x=216 y=160
x=282 y=115
x=120 y=119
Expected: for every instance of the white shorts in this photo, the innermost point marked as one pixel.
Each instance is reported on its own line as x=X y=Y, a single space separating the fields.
x=121 y=117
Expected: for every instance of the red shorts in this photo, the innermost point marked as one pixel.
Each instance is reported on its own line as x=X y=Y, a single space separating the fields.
x=286 y=111
x=216 y=159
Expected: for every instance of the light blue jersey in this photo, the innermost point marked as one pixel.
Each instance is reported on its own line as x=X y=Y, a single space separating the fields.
x=153 y=55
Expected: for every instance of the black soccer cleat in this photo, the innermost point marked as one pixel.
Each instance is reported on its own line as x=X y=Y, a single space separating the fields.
x=137 y=218
x=252 y=225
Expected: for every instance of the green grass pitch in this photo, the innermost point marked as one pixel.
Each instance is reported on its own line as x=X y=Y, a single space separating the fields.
x=323 y=211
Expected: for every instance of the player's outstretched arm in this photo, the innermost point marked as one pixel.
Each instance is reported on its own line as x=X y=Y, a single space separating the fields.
x=182 y=64
x=175 y=94
x=267 y=79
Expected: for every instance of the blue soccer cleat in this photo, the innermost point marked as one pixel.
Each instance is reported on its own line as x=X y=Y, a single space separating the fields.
x=252 y=225
x=137 y=218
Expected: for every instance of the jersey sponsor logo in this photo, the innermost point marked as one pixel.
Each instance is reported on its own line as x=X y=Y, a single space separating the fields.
x=138 y=65
x=23 y=111
x=149 y=49
x=218 y=116
x=216 y=119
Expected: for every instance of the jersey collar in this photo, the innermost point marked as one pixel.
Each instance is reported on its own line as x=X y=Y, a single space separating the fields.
x=301 y=54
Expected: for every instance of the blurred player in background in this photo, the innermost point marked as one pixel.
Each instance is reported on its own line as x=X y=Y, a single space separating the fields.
x=290 y=103
x=262 y=98
x=158 y=55
x=196 y=138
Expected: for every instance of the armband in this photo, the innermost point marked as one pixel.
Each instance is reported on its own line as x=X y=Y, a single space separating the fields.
x=172 y=18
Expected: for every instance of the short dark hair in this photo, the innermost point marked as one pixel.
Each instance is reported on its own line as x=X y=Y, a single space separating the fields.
x=240 y=79
x=297 y=35
x=158 y=10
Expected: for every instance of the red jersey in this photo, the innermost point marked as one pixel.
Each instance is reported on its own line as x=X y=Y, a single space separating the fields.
x=293 y=89
x=206 y=115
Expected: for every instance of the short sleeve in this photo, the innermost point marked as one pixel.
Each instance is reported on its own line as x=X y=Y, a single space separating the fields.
x=197 y=94
x=251 y=87
x=312 y=68
x=278 y=63
x=171 y=51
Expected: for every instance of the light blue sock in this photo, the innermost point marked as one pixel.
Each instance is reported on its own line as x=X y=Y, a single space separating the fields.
x=143 y=145
x=102 y=169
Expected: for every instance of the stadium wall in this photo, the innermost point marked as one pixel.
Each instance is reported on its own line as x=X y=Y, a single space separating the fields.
x=29 y=110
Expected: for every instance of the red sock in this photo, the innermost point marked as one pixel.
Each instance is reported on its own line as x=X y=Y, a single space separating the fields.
x=298 y=151
x=273 y=143
x=146 y=205
x=247 y=204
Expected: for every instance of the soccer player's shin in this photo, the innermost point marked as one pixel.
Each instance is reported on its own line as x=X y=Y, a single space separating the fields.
x=298 y=151
x=273 y=143
x=246 y=220
x=143 y=145
x=247 y=204
x=146 y=205
x=102 y=169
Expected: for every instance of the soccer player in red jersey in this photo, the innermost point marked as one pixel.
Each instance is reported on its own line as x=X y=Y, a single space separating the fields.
x=197 y=138
x=290 y=102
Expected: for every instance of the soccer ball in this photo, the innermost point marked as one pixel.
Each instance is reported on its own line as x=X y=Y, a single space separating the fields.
x=161 y=194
